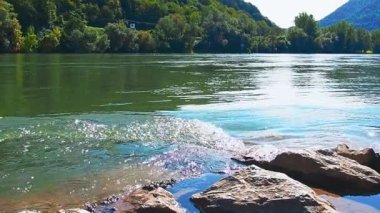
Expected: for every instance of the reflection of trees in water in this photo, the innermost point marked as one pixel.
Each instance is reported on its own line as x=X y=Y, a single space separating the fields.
x=82 y=83
x=40 y=84
x=357 y=80
x=345 y=76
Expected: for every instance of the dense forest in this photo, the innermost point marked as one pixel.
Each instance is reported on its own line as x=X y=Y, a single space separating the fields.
x=181 y=26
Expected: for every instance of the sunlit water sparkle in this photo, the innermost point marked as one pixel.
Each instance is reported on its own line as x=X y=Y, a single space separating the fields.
x=74 y=129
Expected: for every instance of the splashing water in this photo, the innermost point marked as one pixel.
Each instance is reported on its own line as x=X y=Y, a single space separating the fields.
x=39 y=151
x=178 y=121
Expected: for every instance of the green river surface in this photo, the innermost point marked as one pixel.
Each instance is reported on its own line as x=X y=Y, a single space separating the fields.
x=77 y=128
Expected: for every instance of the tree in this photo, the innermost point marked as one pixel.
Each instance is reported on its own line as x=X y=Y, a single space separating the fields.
x=30 y=41
x=222 y=26
x=364 y=42
x=149 y=11
x=10 y=30
x=146 y=41
x=50 y=39
x=308 y=24
x=220 y=32
x=346 y=37
x=303 y=35
x=90 y=40
x=37 y=13
x=326 y=42
x=173 y=33
x=376 y=41
x=122 y=39
x=299 y=40
x=117 y=33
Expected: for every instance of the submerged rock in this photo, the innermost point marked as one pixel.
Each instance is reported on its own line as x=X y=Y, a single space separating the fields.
x=257 y=190
x=162 y=184
x=107 y=201
x=367 y=157
x=324 y=169
x=144 y=201
x=73 y=211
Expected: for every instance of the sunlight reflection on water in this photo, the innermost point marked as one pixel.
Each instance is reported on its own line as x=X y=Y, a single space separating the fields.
x=180 y=115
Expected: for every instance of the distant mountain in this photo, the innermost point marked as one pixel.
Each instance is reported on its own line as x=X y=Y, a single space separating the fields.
x=361 y=13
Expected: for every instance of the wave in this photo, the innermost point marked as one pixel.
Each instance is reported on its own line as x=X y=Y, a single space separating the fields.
x=150 y=130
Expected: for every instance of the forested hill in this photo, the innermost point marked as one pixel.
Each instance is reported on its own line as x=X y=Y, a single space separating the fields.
x=361 y=13
x=159 y=25
x=162 y=26
x=44 y=13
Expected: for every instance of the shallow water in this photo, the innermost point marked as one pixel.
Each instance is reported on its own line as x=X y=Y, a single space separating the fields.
x=86 y=126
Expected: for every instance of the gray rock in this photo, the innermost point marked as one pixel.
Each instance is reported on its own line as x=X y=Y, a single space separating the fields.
x=256 y=190
x=143 y=201
x=324 y=169
x=367 y=157
x=73 y=211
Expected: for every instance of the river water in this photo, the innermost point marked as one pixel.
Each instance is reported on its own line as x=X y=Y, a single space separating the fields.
x=76 y=128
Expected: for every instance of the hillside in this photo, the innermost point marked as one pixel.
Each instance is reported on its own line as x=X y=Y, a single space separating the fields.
x=42 y=13
x=130 y=25
x=166 y=26
x=361 y=13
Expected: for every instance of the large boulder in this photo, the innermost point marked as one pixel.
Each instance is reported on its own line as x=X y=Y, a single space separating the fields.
x=323 y=169
x=144 y=201
x=367 y=157
x=257 y=190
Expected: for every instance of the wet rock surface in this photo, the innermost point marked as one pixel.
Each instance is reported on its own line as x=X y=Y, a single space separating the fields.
x=162 y=184
x=323 y=168
x=73 y=211
x=367 y=157
x=257 y=190
x=148 y=201
x=268 y=186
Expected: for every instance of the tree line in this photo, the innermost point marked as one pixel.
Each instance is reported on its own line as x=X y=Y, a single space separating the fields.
x=180 y=26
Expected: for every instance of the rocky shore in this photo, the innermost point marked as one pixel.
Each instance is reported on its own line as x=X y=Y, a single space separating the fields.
x=271 y=180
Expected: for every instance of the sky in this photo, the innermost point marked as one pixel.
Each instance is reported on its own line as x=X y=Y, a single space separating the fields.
x=282 y=12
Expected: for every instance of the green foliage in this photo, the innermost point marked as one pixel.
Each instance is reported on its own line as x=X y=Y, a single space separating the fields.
x=223 y=33
x=174 y=34
x=30 y=41
x=308 y=24
x=87 y=41
x=119 y=34
x=326 y=41
x=347 y=40
x=304 y=33
x=146 y=41
x=99 y=13
x=123 y=39
x=340 y=38
x=376 y=41
x=10 y=30
x=50 y=39
x=220 y=26
x=299 y=40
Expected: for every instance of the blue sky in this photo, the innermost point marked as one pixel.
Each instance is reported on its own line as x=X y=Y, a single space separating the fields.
x=282 y=12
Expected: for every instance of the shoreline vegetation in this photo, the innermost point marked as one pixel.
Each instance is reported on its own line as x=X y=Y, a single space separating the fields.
x=160 y=26
x=268 y=181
